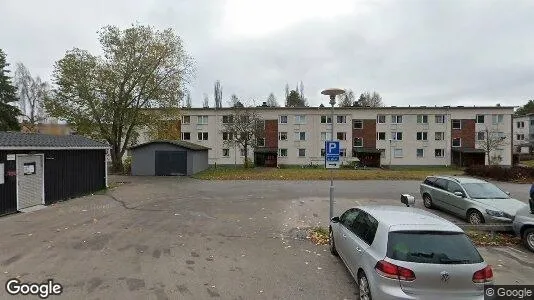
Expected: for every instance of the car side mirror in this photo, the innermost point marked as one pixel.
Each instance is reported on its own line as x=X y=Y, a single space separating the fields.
x=459 y=194
x=335 y=220
x=507 y=193
x=407 y=199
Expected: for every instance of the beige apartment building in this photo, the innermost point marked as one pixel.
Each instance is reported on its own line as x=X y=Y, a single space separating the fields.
x=375 y=136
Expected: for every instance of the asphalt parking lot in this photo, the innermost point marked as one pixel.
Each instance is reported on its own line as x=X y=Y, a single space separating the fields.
x=168 y=238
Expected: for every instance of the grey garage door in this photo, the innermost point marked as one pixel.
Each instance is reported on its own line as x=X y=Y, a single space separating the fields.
x=171 y=163
x=29 y=180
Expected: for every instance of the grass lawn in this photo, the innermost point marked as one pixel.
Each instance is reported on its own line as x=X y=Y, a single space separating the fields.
x=399 y=173
x=528 y=163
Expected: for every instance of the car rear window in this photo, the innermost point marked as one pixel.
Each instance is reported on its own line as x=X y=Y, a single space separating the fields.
x=432 y=247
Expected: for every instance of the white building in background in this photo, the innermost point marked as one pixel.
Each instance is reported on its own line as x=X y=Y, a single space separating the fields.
x=523 y=133
x=376 y=136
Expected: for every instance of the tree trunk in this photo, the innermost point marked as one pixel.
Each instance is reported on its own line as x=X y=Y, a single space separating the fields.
x=116 y=161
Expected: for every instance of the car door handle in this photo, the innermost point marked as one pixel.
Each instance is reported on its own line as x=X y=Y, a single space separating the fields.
x=344 y=236
x=358 y=249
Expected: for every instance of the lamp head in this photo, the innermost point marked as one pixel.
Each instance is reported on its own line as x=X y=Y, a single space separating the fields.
x=333 y=92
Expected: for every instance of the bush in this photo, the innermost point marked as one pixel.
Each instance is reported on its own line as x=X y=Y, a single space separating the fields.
x=127 y=165
x=501 y=173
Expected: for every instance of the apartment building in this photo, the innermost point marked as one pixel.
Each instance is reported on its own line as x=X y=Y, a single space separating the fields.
x=376 y=136
x=523 y=133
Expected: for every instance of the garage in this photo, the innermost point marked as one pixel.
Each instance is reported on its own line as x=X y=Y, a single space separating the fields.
x=168 y=158
x=40 y=169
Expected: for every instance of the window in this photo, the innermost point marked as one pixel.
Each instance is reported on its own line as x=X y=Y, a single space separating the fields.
x=300 y=119
x=422 y=136
x=481 y=135
x=202 y=120
x=441 y=244
x=440 y=119
x=358 y=142
x=422 y=119
x=186 y=136
x=532 y=136
x=202 y=136
x=497 y=119
x=480 y=119
x=453 y=187
x=342 y=152
x=323 y=152
x=397 y=152
x=341 y=119
x=283 y=119
x=300 y=136
x=439 y=152
x=381 y=136
x=29 y=168
x=326 y=119
x=242 y=152
x=364 y=226
x=302 y=152
x=396 y=119
x=341 y=136
x=439 y=136
x=186 y=119
x=521 y=124
x=396 y=136
x=381 y=119
x=420 y=152
x=382 y=153
x=226 y=152
x=260 y=142
x=348 y=217
x=357 y=124
x=244 y=119
x=326 y=136
x=532 y=122
x=228 y=119
x=457 y=142
x=282 y=152
x=282 y=136
x=520 y=137
x=228 y=136
x=456 y=124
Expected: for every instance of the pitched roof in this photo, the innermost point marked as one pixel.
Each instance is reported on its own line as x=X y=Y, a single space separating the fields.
x=38 y=141
x=179 y=143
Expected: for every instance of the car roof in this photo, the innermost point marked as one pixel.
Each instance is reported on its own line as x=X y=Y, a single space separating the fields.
x=460 y=179
x=409 y=218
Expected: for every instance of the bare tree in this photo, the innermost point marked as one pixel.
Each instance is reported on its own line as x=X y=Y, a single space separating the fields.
x=371 y=100
x=492 y=141
x=188 y=101
x=346 y=99
x=206 y=101
x=233 y=100
x=32 y=93
x=271 y=101
x=245 y=130
x=217 y=91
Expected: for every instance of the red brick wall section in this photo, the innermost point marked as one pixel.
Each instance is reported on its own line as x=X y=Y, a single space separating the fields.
x=271 y=133
x=368 y=133
x=467 y=133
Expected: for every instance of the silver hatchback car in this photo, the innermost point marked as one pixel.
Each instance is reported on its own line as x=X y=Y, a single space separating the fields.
x=407 y=253
x=475 y=200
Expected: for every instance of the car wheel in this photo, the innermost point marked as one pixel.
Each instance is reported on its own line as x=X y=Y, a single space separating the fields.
x=427 y=201
x=475 y=217
x=363 y=287
x=528 y=239
x=331 y=243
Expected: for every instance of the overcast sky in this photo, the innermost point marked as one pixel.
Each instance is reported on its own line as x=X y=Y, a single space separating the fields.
x=418 y=52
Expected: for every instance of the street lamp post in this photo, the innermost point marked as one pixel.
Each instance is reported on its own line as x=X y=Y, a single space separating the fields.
x=332 y=93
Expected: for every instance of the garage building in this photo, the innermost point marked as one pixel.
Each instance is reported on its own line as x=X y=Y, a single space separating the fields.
x=38 y=169
x=168 y=158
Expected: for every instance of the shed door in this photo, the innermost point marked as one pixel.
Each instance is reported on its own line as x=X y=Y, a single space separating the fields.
x=171 y=163
x=30 y=181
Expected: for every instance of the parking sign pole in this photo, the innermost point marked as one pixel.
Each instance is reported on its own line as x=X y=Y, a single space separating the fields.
x=332 y=102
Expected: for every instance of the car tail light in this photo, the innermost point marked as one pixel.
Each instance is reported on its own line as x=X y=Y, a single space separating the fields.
x=389 y=270
x=483 y=276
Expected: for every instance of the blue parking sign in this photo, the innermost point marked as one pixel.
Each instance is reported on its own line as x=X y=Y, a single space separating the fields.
x=331 y=154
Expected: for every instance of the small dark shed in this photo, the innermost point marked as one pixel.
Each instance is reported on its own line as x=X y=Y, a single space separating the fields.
x=168 y=158
x=38 y=169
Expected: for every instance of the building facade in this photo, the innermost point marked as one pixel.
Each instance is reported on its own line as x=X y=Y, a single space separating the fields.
x=374 y=136
x=523 y=133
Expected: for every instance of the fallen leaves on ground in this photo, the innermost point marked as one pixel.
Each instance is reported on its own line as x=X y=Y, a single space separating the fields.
x=319 y=236
x=482 y=238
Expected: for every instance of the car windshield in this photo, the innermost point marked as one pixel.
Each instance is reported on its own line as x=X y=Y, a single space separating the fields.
x=484 y=190
x=432 y=247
